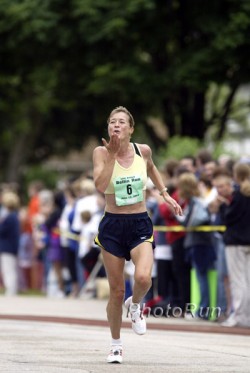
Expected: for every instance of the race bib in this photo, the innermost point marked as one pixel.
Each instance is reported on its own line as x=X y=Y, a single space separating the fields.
x=128 y=190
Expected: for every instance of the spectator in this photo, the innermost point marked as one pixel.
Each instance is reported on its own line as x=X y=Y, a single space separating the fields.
x=34 y=204
x=40 y=237
x=170 y=171
x=223 y=289
x=203 y=156
x=25 y=252
x=2 y=213
x=87 y=202
x=54 y=248
x=198 y=245
x=9 y=240
x=233 y=205
x=70 y=253
x=208 y=169
x=181 y=266
x=188 y=162
x=3 y=210
x=207 y=191
x=167 y=290
x=88 y=250
x=34 y=188
x=224 y=159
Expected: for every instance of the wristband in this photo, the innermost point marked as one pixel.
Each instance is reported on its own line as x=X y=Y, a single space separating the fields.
x=163 y=190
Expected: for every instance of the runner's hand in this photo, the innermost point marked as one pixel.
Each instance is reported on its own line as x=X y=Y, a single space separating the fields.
x=176 y=208
x=113 y=145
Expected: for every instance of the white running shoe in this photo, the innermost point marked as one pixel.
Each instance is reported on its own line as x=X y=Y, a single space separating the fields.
x=115 y=355
x=230 y=321
x=137 y=318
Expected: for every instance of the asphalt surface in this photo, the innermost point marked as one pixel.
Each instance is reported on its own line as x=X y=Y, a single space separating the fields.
x=71 y=335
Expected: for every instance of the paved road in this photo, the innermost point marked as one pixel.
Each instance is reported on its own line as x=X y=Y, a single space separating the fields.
x=64 y=346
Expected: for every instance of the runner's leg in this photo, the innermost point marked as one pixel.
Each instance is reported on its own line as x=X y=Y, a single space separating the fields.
x=115 y=273
x=142 y=257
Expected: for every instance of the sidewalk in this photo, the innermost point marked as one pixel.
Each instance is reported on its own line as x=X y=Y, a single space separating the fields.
x=39 y=334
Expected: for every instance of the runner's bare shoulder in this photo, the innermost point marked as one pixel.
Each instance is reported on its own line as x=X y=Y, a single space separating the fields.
x=145 y=150
x=100 y=150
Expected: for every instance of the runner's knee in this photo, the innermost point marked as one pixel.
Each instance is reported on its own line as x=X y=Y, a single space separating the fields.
x=143 y=280
x=117 y=294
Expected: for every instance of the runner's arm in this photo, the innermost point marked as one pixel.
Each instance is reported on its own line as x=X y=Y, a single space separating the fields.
x=103 y=163
x=156 y=178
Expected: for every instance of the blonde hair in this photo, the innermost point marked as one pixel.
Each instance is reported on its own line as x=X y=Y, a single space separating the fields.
x=10 y=200
x=122 y=109
x=242 y=176
x=188 y=185
x=87 y=186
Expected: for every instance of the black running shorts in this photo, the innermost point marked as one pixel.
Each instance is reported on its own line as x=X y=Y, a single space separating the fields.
x=120 y=233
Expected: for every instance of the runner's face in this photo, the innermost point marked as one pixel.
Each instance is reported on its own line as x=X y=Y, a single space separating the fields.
x=119 y=124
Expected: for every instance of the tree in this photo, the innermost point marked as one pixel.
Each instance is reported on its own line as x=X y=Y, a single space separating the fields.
x=66 y=63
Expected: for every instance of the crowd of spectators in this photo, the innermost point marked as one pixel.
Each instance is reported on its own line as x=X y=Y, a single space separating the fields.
x=215 y=197
x=47 y=244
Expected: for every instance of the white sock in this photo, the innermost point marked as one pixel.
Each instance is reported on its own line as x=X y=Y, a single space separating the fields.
x=116 y=342
x=134 y=307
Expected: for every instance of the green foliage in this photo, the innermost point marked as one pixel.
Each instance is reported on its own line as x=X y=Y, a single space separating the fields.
x=215 y=101
x=178 y=147
x=66 y=63
x=218 y=149
x=36 y=172
x=49 y=178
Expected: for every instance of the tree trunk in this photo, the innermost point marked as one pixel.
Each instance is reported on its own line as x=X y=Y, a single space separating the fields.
x=227 y=108
x=23 y=147
x=169 y=118
x=192 y=113
x=16 y=158
x=198 y=121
